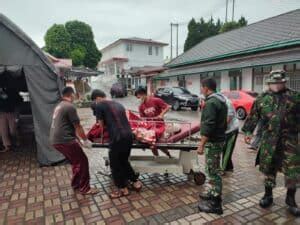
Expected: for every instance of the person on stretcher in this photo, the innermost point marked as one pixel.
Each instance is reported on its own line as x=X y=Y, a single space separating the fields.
x=144 y=131
x=153 y=110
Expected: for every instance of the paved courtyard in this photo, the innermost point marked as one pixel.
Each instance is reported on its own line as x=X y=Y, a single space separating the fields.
x=30 y=194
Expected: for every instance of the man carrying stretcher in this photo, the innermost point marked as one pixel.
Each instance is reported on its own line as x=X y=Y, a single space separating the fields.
x=112 y=115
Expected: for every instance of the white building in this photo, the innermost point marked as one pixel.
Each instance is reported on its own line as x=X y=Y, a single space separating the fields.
x=127 y=53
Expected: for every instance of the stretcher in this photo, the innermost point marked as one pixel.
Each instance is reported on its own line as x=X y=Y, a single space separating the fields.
x=186 y=163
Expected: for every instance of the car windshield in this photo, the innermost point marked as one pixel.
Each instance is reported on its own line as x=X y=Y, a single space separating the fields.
x=253 y=94
x=180 y=91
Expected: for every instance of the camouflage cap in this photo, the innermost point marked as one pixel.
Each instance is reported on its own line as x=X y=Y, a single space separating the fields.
x=276 y=76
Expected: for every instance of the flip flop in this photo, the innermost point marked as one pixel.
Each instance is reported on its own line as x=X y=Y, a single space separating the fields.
x=118 y=194
x=137 y=189
x=92 y=191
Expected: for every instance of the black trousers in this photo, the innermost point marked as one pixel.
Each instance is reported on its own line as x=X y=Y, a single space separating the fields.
x=121 y=169
x=230 y=141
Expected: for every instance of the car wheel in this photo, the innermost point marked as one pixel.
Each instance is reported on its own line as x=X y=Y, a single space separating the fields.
x=176 y=106
x=241 y=113
x=194 y=108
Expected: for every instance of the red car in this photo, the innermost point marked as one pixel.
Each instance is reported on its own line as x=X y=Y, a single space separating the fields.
x=242 y=101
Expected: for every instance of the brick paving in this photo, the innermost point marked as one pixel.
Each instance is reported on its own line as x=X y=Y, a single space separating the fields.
x=30 y=194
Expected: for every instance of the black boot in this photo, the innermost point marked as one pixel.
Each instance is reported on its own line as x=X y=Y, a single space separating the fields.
x=213 y=205
x=205 y=196
x=291 y=202
x=267 y=199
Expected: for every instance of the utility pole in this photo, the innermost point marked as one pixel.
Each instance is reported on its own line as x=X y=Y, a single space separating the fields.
x=233 y=2
x=177 y=39
x=176 y=25
x=171 y=45
x=226 y=15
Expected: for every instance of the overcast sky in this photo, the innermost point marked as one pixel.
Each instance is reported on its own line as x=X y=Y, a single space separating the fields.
x=113 y=19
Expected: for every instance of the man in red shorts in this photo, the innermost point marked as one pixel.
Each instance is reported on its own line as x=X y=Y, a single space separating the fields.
x=153 y=109
x=65 y=133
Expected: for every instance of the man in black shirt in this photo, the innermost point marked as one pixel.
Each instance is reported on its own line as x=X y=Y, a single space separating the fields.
x=113 y=115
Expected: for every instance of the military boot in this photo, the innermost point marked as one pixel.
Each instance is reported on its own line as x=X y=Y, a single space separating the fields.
x=205 y=196
x=213 y=205
x=290 y=201
x=267 y=199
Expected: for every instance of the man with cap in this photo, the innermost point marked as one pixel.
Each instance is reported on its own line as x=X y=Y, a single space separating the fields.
x=279 y=111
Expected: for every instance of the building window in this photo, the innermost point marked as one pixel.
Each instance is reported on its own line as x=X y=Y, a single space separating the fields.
x=235 y=77
x=289 y=67
x=293 y=76
x=257 y=70
x=259 y=74
x=266 y=69
x=217 y=77
x=149 y=50
x=129 y=47
x=156 y=51
x=181 y=81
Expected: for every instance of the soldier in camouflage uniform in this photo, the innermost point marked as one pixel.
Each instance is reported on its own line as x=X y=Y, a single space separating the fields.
x=279 y=111
x=213 y=127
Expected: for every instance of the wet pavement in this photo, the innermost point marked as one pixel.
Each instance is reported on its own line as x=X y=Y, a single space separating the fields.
x=30 y=194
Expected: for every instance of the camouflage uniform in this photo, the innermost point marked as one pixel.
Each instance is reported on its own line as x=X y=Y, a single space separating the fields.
x=213 y=153
x=280 y=115
x=213 y=126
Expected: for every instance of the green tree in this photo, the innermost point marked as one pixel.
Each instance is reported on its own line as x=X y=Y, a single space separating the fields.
x=199 y=31
x=229 y=26
x=82 y=35
x=234 y=25
x=57 y=41
x=192 y=38
x=243 y=22
x=77 y=42
x=77 y=56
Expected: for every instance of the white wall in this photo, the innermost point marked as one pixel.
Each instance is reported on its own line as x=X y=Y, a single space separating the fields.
x=247 y=79
x=116 y=51
x=225 y=81
x=193 y=83
x=140 y=57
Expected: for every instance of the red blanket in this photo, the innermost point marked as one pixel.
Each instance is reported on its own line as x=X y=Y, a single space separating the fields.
x=145 y=131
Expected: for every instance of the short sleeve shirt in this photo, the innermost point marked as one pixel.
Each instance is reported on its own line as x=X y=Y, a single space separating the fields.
x=152 y=107
x=62 y=128
x=114 y=117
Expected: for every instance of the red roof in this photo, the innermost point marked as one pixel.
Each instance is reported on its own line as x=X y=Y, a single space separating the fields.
x=59 y=63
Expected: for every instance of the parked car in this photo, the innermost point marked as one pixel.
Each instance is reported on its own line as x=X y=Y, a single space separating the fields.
x=118 y=90
x=178 y=97
x=242 y=101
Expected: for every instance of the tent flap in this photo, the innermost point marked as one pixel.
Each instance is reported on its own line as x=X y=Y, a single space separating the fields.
x=44 y=94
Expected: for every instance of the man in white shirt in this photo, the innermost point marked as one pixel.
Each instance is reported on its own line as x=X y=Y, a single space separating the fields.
x=231 y=136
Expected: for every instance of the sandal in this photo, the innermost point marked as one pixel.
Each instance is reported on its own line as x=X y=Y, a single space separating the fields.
x=92 y=191
x=118 y=194
x=139 y=188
